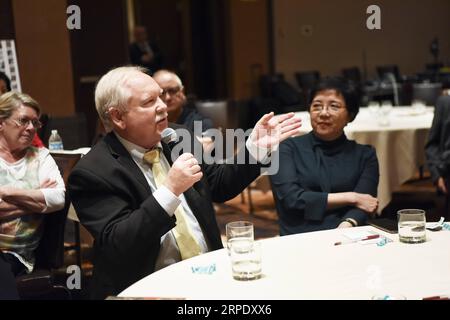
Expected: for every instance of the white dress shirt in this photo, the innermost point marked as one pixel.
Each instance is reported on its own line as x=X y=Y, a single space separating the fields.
x=169 y=252
x=48 y=169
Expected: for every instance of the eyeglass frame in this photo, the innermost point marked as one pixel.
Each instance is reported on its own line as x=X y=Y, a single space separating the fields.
x=330 y=108
x=171 y=91
x=25 y=122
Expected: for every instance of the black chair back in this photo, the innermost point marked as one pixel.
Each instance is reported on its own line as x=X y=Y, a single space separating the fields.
x=352 y=74
x=219 y=111
x=307 y=80
x=427 y=92
x=72 y=129
x=50 y=252
x=383 y=72
x=65 y=162
x=266 y=83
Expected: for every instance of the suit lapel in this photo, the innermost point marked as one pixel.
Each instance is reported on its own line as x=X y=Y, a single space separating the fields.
x=124 y=158
x=195 y=200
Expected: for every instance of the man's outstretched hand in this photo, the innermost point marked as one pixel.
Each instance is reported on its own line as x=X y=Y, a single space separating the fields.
x=271 y=130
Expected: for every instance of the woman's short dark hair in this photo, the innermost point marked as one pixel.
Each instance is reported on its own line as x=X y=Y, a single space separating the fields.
x=346 y=88
x=5 y=78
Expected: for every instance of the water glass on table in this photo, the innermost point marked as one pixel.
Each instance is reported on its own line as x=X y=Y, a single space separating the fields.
x=246 y=261
x=411 y=225
x=239 y=233
x=385 y=110
x=418 y=106
x=374 y=107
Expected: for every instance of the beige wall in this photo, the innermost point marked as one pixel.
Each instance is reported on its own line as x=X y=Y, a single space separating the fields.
x=248 y=42
x=43 y=49
x=340 y=36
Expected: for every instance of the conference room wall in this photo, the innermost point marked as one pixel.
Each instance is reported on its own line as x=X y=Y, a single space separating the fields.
x=247 y=27
x=43 y=52
x=340 y=36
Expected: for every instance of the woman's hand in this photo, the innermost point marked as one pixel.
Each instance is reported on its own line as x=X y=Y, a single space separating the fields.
x=441 y=185
x=48 y=183
x=365 y=202
x=344 y=224
x=9 y=211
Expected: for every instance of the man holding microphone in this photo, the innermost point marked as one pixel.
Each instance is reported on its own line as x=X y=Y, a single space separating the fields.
x=144 y=209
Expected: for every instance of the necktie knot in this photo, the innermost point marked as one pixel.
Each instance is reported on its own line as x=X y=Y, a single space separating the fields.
x=152 y=156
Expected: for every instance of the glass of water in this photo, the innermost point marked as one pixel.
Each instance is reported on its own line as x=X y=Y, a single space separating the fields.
x=385 y=110
x=374 y=107
x=418 y=106
x=411 y=225
x=241 y=233
x=246 y=261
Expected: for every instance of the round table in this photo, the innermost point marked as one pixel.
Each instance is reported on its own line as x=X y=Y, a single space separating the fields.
x=310 y=266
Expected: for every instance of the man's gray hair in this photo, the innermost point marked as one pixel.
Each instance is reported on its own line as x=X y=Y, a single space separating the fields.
x=112 y=92
x=163 y=72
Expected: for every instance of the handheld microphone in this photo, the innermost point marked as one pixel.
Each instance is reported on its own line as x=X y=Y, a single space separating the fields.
x=169 y=136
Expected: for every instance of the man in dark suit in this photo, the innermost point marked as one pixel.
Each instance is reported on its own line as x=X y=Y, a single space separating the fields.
x=116 y=193
x=143 y=52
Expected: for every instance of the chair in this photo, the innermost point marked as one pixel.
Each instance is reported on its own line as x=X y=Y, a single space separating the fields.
x=65 y=163
x=40 y=284
x=261 y=183
x=427 y=92
x=266 y=83
x=434 y=67
x=352 y=74
x=287 y=97
x=72 y=129
x=219 y=111
x=307 y=80
x=383 y=72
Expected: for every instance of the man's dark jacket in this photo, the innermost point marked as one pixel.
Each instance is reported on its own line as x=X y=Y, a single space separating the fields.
x=114 y=202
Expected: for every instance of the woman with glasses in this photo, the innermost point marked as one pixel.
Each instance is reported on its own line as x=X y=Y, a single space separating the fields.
x=30 y=183
x=5 y=86
x=326 y=181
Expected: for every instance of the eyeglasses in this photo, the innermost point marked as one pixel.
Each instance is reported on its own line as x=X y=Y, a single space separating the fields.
x=171 y=91
x=333 y=108
x=24 y=122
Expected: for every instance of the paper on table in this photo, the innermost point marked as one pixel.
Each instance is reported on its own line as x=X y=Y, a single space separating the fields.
x=435 y=225
x=356 y=235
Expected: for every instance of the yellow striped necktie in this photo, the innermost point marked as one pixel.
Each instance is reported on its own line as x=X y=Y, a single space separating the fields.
x=187 y=244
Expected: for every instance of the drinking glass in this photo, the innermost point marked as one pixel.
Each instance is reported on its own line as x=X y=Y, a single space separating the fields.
x=246 y=261
x=239 y=233
x=411 y=225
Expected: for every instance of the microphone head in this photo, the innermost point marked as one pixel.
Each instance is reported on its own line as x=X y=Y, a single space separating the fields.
x=169 y=135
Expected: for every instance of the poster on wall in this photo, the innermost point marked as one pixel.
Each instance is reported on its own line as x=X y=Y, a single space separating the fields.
x=8 y=63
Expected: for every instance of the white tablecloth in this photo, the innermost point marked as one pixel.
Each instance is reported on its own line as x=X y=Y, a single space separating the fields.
x=399 y=146
x=310 y=266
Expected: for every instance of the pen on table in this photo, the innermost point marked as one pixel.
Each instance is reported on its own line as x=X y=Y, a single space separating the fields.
x=437 y=298
x=373 y=236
